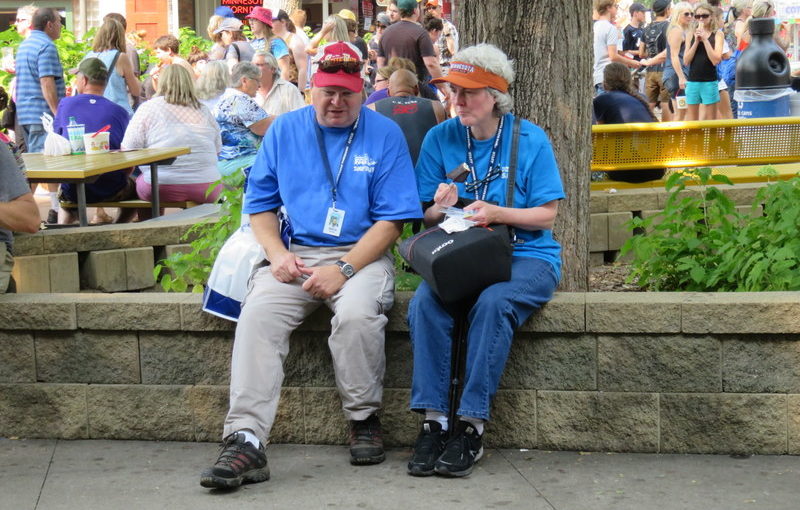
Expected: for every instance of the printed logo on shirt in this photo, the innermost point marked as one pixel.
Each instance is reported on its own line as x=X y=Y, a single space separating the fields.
x=363 y=163
x=504 y=172
x=405 y=109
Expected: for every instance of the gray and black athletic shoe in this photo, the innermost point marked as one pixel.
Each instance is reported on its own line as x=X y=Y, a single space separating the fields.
x=461 y=452
x=428 y=448
x=366 y=441
x=238 y=462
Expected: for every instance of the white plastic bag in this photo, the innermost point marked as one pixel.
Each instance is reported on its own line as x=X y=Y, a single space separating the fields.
x=227 y=284
x=54 y=144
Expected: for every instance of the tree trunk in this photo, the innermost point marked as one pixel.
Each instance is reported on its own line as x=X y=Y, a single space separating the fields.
x=550 y=43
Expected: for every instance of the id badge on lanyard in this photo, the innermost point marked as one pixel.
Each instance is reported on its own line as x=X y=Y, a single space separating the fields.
x=335 y=217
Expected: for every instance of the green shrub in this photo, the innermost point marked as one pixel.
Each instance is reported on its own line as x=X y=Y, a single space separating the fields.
x=701 y=243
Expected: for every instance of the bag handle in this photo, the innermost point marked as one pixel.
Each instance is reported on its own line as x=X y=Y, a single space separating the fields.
x=512 y=166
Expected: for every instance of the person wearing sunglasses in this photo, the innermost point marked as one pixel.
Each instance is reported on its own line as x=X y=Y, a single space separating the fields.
x=343 y=175
x=675 y=71
x=703 y=54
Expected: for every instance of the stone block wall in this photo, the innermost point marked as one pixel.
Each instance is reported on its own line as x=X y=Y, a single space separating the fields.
x=643 y=372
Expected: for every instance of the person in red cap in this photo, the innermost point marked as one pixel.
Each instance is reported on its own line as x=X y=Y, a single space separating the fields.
x=260 y=19
x=481 y=139
x=344 y=177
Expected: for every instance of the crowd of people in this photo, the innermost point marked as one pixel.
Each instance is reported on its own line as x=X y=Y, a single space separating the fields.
x=687 y=52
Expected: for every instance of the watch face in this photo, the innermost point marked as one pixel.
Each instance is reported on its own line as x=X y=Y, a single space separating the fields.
x=348 y=270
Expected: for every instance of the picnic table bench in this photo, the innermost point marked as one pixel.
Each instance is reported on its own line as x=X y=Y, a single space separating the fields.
x=737 y=148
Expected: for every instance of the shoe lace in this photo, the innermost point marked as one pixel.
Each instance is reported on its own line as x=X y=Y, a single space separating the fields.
x=230 y=450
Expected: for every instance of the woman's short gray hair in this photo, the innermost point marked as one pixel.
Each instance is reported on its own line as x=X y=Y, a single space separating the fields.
x=491 y=58
x=269 y=60
x=244 y=70
x=213 y=81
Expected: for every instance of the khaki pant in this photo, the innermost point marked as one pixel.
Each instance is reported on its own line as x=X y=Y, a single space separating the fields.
x=272 y=310
x=6 y=265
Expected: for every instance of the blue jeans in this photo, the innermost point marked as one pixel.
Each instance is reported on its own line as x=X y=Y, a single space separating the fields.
x=500 y=309
x=34 y=137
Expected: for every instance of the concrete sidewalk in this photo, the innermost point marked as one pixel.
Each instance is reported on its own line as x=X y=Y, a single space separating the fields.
x=51 y=474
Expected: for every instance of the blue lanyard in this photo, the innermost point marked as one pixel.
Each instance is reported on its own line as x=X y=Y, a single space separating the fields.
x=490 y=173
x=324 y=155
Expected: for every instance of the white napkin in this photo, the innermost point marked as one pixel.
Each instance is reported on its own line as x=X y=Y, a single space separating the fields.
x=455 y=224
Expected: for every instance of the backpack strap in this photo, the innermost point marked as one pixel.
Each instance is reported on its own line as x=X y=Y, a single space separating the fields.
x=113 y=66
x=512 y=166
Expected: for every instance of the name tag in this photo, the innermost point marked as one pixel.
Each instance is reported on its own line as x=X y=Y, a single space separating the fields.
x=333 y=222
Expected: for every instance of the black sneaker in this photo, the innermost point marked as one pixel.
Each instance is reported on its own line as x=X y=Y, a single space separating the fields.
x=428 y=448
x=366 y=441
x=461 y=452
x=52 y=217
x=238 y=462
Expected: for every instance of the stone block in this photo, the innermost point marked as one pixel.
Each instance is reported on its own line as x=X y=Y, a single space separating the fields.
x=618 y=231
x=131 y=312
x=309 y=361
x=38 y=312
x=764 y=364
x=749 y=210
x=633 y=312
x=400 y=425
x=723 y=423
x=565 y=313
x=598 y=202
x=597 y=259
x=80 y=239
x=632 y=200
x=290 y=417
x=141 y=412
x=209 y=405
x=104 y=271
x=87 y=357
x=399 y=360
x=18 y=358
x=397 y=315
x=652 y=214
x=597 y=421
x=134 y=235
x=551 y=362
x=741 y=312
x=43 y=411
x=319 y=320
x=794 y=424
x=513 y=423
x=744 y=193
x=598 y=232
x=193 y=318
x=658 y=364
x=64 y=273
x=171 y=249
x=28 y=244
x=663 y=196
x=324 y=419
x=31 y=274
x=185 y=358
x=139 y=263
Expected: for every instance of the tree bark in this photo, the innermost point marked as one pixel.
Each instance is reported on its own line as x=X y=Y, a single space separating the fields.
x=550 y=43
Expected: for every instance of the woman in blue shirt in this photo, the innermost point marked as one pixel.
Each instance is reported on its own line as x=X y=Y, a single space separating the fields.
x=480 y=136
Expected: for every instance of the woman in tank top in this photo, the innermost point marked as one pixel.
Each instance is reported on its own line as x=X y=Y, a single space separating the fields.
x=675 y=71
x=109 y=45
x=703 y=54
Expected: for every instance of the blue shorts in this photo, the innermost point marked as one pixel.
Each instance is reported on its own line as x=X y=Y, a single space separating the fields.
x=702 y=92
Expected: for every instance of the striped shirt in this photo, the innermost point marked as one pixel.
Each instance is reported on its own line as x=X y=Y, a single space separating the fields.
x=37 y=58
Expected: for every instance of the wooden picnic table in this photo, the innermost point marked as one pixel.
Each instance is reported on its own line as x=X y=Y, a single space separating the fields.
x=82 y=168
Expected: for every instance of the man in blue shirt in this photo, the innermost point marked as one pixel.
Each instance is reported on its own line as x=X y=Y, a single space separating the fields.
x=94 y=111
x=344 y=176
x=40 y=77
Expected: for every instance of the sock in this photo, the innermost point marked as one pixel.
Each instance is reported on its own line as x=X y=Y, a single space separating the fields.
x=54 y=201
x=250 y=437
x=475 y=422
x=432 y=415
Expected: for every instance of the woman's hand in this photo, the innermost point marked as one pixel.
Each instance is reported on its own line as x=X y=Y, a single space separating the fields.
x=682 y=83
x=483 y=213
x=446 y=195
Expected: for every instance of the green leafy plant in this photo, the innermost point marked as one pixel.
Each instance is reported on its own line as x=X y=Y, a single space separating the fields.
x=700 y=242
x=182 y=272
x=189 y=39
x=405 y=278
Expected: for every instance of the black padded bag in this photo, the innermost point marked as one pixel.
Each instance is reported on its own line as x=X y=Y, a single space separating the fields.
x=460 y=265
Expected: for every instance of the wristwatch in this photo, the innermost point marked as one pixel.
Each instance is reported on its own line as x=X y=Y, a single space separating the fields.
x=346 y=269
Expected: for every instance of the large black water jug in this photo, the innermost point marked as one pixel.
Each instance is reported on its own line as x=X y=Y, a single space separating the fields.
x=763 y=65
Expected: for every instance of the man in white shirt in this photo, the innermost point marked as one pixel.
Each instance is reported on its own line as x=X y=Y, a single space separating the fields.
x=275 y=95
x=606 y=41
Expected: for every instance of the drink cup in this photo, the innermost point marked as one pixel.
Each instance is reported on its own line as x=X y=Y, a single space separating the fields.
x=96 y=144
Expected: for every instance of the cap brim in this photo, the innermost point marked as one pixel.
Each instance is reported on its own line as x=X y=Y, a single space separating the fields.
x=351 y=82
x=460 y=80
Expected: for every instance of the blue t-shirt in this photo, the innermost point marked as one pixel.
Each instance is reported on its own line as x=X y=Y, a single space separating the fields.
x=537 y=179
x=277 y=46
x=94 y=112
x=37 y=58
x=616 y=107
x=377 y=182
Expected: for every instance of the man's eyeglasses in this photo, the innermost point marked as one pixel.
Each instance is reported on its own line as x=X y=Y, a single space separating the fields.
x=702 y=16
x=21 y=20
x=334 y=66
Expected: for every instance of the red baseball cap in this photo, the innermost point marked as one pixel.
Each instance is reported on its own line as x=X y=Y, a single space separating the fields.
x=262 y=14
x=339 y=64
